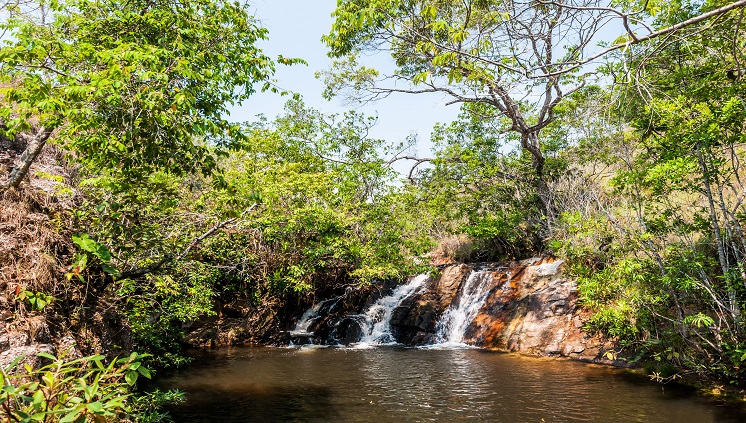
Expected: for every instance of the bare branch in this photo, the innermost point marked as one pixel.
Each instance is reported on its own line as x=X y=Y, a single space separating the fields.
x=142 y=271
x=673 y=28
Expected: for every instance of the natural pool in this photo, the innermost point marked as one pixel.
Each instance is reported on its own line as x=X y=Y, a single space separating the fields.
x=390 y=384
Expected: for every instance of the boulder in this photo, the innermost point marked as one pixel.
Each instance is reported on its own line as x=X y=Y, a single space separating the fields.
x=29 y=354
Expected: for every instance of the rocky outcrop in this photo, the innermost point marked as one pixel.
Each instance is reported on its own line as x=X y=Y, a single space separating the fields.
x=527 y=307
x=530 y=308
x=28 y=355
x=271 y=322
x=534 y=310
x=27 y=343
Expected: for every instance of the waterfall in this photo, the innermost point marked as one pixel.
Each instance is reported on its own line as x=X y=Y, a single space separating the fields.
x=452 y=325
x=376 y=320
x=301 y=328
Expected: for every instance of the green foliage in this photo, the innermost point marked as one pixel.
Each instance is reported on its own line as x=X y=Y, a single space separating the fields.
x=621 y=297
x=480 y=186
x=97 y=249
x=85 y=389
x=133 y=87
x=37 y=300
x=312 y=204
x=146 y=407
x=327 y=205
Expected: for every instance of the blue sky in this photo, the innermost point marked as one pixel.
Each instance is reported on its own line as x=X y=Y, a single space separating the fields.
x=295 y=30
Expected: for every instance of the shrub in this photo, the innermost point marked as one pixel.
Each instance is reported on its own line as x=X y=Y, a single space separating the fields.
x=455 y=247
x=62 y=391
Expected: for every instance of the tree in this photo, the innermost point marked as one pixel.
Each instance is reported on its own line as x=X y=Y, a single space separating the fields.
x=659 y=252
x=689 y=112
x=521 y=58
x=130 y=87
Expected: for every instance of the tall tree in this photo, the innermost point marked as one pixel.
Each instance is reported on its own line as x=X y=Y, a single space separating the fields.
x=522 y=58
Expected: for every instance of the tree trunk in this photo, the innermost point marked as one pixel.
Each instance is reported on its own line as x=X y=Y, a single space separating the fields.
x=722 y=256
x=530 y=142
x=33 y=147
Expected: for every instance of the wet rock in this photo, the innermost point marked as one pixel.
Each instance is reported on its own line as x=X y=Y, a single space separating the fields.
x=530 y=308
x=414 y=321
x=535 y=312
x=297 y=338
x=349 y=331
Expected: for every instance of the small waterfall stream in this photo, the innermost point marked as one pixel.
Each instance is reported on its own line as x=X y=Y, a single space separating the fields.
x=373 y=325
x=376 y=320
x=301 y=328
x=451 y=327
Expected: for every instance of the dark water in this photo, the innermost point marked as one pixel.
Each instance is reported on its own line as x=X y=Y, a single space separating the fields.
x=415 y=385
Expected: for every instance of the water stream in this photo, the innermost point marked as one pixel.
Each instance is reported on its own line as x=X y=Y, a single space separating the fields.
x=451 y=327
x=376 y=320
x=301 y=328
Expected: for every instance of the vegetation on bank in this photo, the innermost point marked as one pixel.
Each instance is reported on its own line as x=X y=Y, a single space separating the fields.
x=131 y=206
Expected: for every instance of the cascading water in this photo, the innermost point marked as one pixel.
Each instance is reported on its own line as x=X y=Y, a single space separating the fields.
x=376 y=321
x=451 y=328
x=301 y=328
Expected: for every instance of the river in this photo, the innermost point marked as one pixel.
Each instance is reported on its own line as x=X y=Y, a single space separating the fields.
x=391 y=384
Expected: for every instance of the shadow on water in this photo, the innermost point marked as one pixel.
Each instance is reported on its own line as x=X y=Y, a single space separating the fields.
x=280 y=404
x=403 y=385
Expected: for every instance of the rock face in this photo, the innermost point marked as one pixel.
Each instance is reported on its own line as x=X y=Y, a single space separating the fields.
x=26 y=343
x=527 y=307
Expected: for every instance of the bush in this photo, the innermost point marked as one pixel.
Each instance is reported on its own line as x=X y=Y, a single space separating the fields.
x=455 y=247
x=79 y=390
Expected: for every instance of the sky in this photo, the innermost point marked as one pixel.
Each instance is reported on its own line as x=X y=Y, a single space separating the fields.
x=295 y=30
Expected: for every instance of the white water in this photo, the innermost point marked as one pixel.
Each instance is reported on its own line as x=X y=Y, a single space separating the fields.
x=376 y=322
x=301 y=328
x=451 y=328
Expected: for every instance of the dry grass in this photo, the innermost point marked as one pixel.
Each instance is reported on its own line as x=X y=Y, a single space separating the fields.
x=34 y=225
x=454 y=248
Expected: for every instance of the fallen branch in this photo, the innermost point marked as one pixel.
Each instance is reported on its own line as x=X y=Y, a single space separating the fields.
x=22 y=166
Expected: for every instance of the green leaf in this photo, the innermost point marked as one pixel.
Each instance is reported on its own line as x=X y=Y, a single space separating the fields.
x=85 y=243
x=131 y=377
x=71 y=417
x=95 y=407
x=111 y=270
x=47 y=356
x=144 y=371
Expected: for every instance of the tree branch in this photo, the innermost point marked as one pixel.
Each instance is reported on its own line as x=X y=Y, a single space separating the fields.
x=673 y=28
x=142 y=271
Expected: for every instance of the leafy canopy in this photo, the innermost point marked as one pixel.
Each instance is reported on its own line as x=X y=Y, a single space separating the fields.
x=133 y=86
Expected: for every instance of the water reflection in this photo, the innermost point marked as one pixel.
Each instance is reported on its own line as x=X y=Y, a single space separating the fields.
x=396 y=385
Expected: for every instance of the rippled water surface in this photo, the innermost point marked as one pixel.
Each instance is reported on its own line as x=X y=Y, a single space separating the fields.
x=416 y=385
